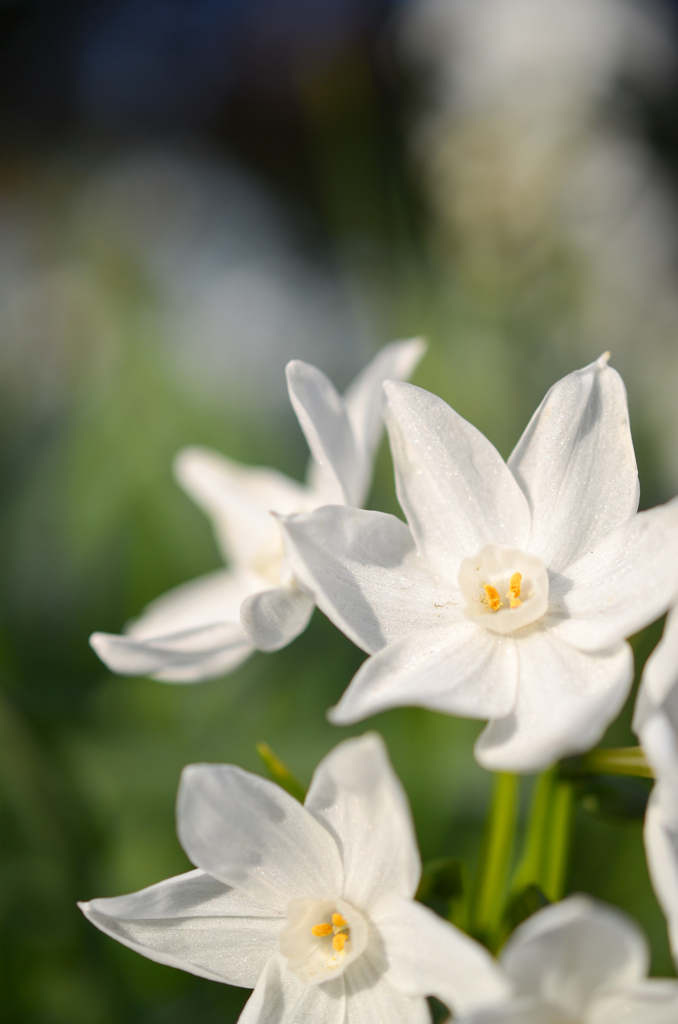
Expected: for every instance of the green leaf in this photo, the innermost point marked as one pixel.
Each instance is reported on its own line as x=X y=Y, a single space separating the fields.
x=280 y=773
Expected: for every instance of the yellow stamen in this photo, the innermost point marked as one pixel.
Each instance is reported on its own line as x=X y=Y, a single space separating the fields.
x=338 y=921
x=514 y=589
x=339 y=940
x=493 y=598
x=320 y=930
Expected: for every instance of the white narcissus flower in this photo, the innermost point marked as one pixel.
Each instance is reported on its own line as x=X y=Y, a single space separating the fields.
x=311 y=906
x=208 y=627
x=580 y=962
x=510 y=594
x=656 y=725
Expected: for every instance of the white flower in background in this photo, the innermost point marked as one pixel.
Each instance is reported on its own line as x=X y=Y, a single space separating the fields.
x=511 y=592
x=656 y=724
x=209 y=626
x=311 y=906
x=580 y=962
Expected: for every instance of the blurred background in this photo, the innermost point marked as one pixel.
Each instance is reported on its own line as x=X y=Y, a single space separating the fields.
x=193 y=192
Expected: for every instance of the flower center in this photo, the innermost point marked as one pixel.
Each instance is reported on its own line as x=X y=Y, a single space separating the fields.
x=322 y=938
x=505 y=588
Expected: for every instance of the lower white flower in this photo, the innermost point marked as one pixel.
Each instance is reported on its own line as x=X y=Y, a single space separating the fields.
x=311 y=906
x=656 y=725
x=207 y=627
x=580 y=962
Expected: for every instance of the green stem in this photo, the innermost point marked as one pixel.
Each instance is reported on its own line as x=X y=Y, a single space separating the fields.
x=495 y=857
x=611 y=761
x=557 y=851
x=530 y=868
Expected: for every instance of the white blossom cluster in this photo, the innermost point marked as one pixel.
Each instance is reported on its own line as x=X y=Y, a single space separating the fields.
x=508 y=595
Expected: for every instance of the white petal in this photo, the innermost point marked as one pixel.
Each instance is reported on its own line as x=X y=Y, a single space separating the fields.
x=280 y=998
x=566 y=951
x=428 y=956
x=356 y=794
x=661 y=846
x=193 y=922
x=660 y=676
x=191 y=633
x=323 y=418
x=649 y=1002
x=461 y=669
x=365 y=574
x=370 y=999
x=206 y=601
x=455 y=489
x=364 y=401
x=239 y=499
x=523 y=1010
x=273 y=618
x=251 y=834
x=187 y=657
x=565 y=701
x=625 y=583
x=659 y=739
x=575 y=462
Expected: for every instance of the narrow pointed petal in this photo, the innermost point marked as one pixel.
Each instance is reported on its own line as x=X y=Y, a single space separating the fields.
x=428 y=956
x=576 y=464
x=566 y=951
x=661 y=846
x=279 y=998
x=365 y=574
x=453 y=485
x=357 y=796
x=206 y=601
x=193 y=922
x=273 y=618
x=461 y=669
x=252 y=835
x=654 y=1001
x=323 y=418
x=239 y=499
x=191 y=633
x=190 y=656
x=565 y=701
x=370 y=999
x=364 y=401
x=626 y=582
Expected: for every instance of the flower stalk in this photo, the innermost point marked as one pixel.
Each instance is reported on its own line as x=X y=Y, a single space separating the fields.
x=495 y=858
x=611 y=761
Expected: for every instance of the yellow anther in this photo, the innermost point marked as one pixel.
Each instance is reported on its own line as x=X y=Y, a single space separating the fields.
x=493 y=598
x=338 y=921
x=514 y=589
x=320 y=930
x=339 y=940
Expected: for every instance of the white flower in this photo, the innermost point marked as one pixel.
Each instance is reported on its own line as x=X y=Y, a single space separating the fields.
x=656 y=724
x=209 y=626
x=580 y=962
x=312 y=906
x=511 y=593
